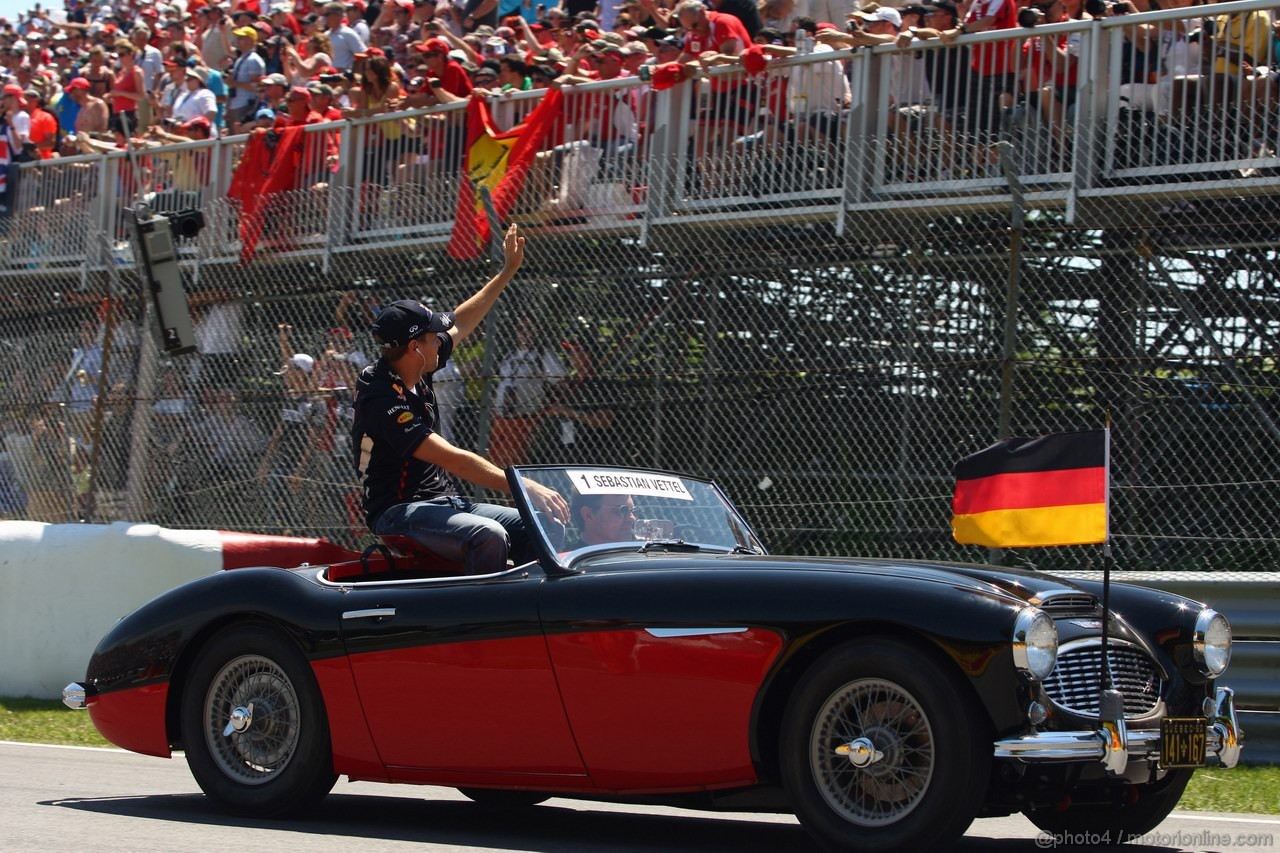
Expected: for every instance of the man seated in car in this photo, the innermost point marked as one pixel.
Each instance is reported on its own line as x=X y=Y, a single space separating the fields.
x=602 y=518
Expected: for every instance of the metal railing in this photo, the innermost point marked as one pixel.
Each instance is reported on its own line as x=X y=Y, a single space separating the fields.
x=1107 y=107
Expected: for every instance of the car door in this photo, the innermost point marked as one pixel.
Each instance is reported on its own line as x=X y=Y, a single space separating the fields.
x=454 y=675
x=659 y=687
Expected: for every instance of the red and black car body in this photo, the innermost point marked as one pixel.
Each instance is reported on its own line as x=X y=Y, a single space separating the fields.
x=887 y=703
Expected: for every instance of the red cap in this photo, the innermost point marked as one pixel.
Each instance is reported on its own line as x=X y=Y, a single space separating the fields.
x=753 y=59
x=13 y=89
x=370 y=51
x=198 y=121
x=77 y=83
x=300 y=92
x=436 y=45
x=668 y=75
x=825 y=25
x=149 y=12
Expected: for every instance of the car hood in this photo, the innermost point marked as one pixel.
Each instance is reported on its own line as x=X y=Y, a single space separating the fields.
x=1020 y=584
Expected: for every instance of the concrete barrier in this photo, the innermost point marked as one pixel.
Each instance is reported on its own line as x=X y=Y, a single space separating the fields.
x=62 y=586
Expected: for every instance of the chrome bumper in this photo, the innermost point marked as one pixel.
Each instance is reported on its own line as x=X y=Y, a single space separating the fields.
x=75 y=697
x=1113 y=745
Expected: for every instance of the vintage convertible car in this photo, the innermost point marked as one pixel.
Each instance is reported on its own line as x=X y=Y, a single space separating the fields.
x=656 y=653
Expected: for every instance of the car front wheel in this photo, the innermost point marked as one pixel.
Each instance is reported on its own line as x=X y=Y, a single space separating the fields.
x=882 y=749
x=254 y=726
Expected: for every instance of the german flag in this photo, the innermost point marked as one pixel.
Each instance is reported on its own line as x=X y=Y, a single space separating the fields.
x=1034 y=492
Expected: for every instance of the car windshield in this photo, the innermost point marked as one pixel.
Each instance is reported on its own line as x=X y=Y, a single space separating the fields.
x=635 y=509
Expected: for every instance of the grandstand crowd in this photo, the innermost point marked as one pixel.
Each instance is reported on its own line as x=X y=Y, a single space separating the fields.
x=93 y=74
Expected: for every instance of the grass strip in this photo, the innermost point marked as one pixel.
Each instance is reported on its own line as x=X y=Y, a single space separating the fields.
x=46 y=721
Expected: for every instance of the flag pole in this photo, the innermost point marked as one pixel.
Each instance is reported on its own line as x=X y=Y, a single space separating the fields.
x=1110 y=700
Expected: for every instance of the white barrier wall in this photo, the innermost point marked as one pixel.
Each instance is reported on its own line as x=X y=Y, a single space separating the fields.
x=62 y=586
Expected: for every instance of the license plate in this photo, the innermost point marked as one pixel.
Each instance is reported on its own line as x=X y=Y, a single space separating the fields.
x=1182 y=741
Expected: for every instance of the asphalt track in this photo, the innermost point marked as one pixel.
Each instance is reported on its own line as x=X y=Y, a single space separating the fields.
x=69 y=798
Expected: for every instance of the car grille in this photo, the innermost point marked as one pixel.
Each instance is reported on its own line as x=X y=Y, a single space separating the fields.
x=1070 y=604
x=1074 y=683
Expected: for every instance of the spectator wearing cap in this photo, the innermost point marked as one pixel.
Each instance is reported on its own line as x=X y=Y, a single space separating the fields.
x=174 y=85
x=300 y=110
x=453 y=79
x=485 y=77
x=274 y=88
x=196 y=100
x=345 y=41
x=246 y=73
x=16 y=118
x=92 y=115
x=216 y=43
x=282 y=18
x=992 y=82
x=66 y=109
x=322 y=101
x=408 y=474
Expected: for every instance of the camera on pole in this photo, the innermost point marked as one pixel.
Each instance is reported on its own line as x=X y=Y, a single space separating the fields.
x=158 y=258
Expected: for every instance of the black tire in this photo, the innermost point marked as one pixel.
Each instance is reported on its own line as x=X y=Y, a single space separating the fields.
x=1122 y=822
x=280 y=761
x=930 y=779
x=500 y=799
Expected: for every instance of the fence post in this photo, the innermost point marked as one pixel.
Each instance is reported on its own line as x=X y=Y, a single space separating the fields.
x=1013 y=298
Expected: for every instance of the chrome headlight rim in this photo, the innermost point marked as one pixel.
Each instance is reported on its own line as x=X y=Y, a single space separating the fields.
x=1036 y=659
x=1212 y=656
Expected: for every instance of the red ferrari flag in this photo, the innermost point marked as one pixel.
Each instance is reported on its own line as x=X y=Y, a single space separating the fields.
x=500 y=162
x=264 y=169
x=1029 y=492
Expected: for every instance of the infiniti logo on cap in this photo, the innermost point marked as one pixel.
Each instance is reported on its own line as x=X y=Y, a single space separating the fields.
x=413 y=331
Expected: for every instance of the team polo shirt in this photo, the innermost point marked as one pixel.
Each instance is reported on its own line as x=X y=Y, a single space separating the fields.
x=993 y=57
x=397 y=419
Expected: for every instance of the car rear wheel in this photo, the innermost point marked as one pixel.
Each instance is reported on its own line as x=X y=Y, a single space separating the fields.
x=1143 y=810
x=254 y=726
x=500 y=799
x=882 y=749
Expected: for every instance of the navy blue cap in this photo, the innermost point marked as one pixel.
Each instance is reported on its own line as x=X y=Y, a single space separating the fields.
x=406 y=319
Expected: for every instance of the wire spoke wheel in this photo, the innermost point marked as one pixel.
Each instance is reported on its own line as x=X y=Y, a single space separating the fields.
x=259 y=688
x=884 y=748
x=889 y=717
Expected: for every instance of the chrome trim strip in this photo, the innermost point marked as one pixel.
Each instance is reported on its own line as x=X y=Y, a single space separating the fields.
x=371 y=613
x=691 y=632
x=350 y=583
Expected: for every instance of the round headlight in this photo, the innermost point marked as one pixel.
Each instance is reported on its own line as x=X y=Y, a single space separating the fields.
x=1212 y=642
x=1035 y=643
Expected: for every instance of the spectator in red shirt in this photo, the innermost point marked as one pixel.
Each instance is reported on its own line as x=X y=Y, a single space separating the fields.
x=322 y=101
x=301 y=112
x=44 y=127
x=453 y=79
x=992 y=82
x=710 y=32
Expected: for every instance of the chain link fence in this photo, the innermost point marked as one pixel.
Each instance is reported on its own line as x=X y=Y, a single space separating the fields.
x=826 y=349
